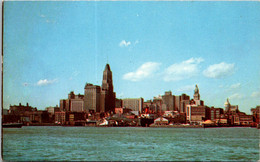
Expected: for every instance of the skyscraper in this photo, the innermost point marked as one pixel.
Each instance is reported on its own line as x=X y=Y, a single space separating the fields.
x=107 y=82
x=107 y=99
x=100 y=99
x=168 y=100
x=92 y=98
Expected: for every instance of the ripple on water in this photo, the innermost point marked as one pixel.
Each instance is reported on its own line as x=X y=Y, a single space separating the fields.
x=144 y=144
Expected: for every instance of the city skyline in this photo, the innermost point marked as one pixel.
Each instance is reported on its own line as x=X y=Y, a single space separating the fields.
x=52 y=48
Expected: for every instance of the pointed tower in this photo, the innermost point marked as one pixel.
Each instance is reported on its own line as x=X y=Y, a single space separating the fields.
x=107 y=102
x=196 y=95
x=227 y=105
x=107 y=82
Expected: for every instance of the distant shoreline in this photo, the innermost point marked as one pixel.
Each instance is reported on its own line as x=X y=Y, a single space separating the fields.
x=151 y=126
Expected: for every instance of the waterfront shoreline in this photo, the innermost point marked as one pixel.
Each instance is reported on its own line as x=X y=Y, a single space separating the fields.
x=152 y=126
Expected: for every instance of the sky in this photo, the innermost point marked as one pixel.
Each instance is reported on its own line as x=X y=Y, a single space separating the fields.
x=52 y=48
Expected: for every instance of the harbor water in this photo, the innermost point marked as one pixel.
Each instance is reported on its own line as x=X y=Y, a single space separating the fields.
x=40 y=143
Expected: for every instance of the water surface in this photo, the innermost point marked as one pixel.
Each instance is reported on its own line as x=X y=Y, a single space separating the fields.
x=130 y=143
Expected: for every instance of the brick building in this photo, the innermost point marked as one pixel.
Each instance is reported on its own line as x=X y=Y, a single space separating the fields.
x=242 y=119
x=215 y=113
x=256 y=114
x=236 y=117
x=39 y=117
x=60 y=117
x=196 y=114
x=21 y=109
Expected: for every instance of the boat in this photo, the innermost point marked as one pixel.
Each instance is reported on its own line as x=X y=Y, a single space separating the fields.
x=12 y=125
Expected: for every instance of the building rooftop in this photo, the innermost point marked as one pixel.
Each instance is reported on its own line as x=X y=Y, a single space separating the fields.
x=107 y=68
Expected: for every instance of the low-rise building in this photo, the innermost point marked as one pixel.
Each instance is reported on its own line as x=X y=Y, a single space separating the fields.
x=39 y=117
x=52 y=110
x=118 y=102
x=150 y=107
x=168 y=114
x=60 y=117
x=119 y=110
x=215 y=113
x=243 y=119
x=161 y=121
x=256 y=114
x=235 y=116
x=76 y=118
x=195 y=114
x=21 y=109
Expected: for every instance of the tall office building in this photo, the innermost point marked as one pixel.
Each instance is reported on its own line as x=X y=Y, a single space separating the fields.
x=168 y=101
x=92 y=98
x=107 y=82
x=185 y=100
x=108 y=97
x=100 y=99
x=177 y=103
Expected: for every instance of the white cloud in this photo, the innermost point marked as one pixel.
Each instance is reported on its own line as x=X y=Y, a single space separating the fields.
x=236 y=96
x=235 y=86
x=183 y=70
x=45 y=82
x=124 y=43
x=255 y=94
x=230 y=87
x=144 y=71
x=186 y=88
x=219 y=70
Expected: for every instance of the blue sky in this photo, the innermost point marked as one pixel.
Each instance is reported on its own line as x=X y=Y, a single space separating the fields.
x=52 y=48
